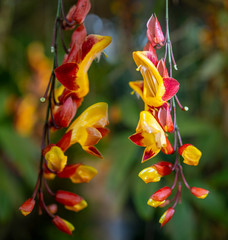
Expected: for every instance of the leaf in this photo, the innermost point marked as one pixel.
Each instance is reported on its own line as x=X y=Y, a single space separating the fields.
x=21 y=153
x=182 y=225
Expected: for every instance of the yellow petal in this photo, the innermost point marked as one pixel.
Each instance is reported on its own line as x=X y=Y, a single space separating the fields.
x=56 y=159
x=95 y=116
x=191 y=155
x=153 y=203
x=137 y=86
x=154 y=87
x=83 y=173
x=77 y=207
x=101 y=43
x=150 y=174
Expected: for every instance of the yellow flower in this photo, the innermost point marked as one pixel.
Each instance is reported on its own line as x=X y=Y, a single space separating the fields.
x=190 y=154
x=154 y=90
x=56 y=160
x=149 y=134
x=88 y=128
x=154 y=203
x=84 y=173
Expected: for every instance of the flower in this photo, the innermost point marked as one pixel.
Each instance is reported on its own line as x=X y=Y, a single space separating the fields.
x=190 y=154
x=154 y=32
x=199 y=192
x=70 y=200
x=149 y=134
x=27 y=207
x=167 y=215
x=156 y=90
x=87 y=129
x=155 y=172
x=56 y=160
x=73 y=75
x=78 y=173
x=63 y=225
x=77 y=13
x=159 y=197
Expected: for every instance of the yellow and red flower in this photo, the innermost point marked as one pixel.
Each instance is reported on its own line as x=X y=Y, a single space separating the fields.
x=27 y=207
x=159 y=197
x=199 y=192
x=166 y=216
x=190 y=154
x=63 y=225
x=149 y=134
x=70 y=200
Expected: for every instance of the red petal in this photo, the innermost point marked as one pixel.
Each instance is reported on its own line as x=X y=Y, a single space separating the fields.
x=67 y=75
x=198 y=191
x=165 y=118
x=137 y=139
x=171 y=88
x=152 y=56
x=103 y=131
x=163 y=168
x=28 y=205
x=88 y=44
x=162 y=69
x=67 y=198
x=65 y=113
x=93 y=151
x=161 y=194
x=169 y=148
x=69 y=170
x=82 y=9
x=64 y=142
x=183 y=147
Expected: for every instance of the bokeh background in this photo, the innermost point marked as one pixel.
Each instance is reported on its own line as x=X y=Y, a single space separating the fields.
x=117 y=197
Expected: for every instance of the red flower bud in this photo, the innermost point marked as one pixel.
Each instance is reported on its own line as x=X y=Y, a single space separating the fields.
x=67 y=198
x=154 y=32
x=64 y=114
x=63 y=225
x=163 y=168
x=69 y=170
x=77 y=13
x=166 y=216
x=168 y=149
x=161 y=194
x=199 y=192
x=27 y=206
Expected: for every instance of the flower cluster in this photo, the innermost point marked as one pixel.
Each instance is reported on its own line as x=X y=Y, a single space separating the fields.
x=158 y=120
x=87 y=129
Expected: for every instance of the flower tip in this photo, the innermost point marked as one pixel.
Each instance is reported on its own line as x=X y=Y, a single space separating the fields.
x=27 y=207
x=186 y=108
x=63 y=225
x=175 y=67
x=167 y=215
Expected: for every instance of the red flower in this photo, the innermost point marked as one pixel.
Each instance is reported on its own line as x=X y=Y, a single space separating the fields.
x=199 y=192
x=154 y=32
x=166 y=216
x=63 y=225
x=27 y=206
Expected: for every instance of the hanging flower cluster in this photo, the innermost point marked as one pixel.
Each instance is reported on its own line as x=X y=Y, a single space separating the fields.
x=87 y=129
x=158 y=120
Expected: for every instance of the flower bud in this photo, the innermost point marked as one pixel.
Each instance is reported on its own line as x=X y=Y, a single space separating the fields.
x=71 y=200
x=52 y=208
x=163 y=168
x=154 y=32
x=167 y=215
x=159 y=197
x=63 y=225
x=27 y=206
x=199 y=192
x=150 y=174
x=190 y=154
x=56 y=160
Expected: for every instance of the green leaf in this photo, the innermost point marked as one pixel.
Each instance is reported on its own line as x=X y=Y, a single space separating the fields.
x=21 y=152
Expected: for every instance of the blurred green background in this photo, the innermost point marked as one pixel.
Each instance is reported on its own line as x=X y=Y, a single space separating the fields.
x=117 y=197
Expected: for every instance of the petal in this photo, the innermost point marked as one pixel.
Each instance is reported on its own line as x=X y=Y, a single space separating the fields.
x=83 y=174
x=77 y=207
x=63 y=225
x=93 y=136
x=67 y=198
x=137 y=86
x=81 y=10
x=64 y=114
x=93 y=151
x=64 y=142
x=171 y=88
x=69 y=170
x=161 y=194
x=137 y=139
x=67 y=75
x=150 y=152
x=162 y=69
x=165 y=118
